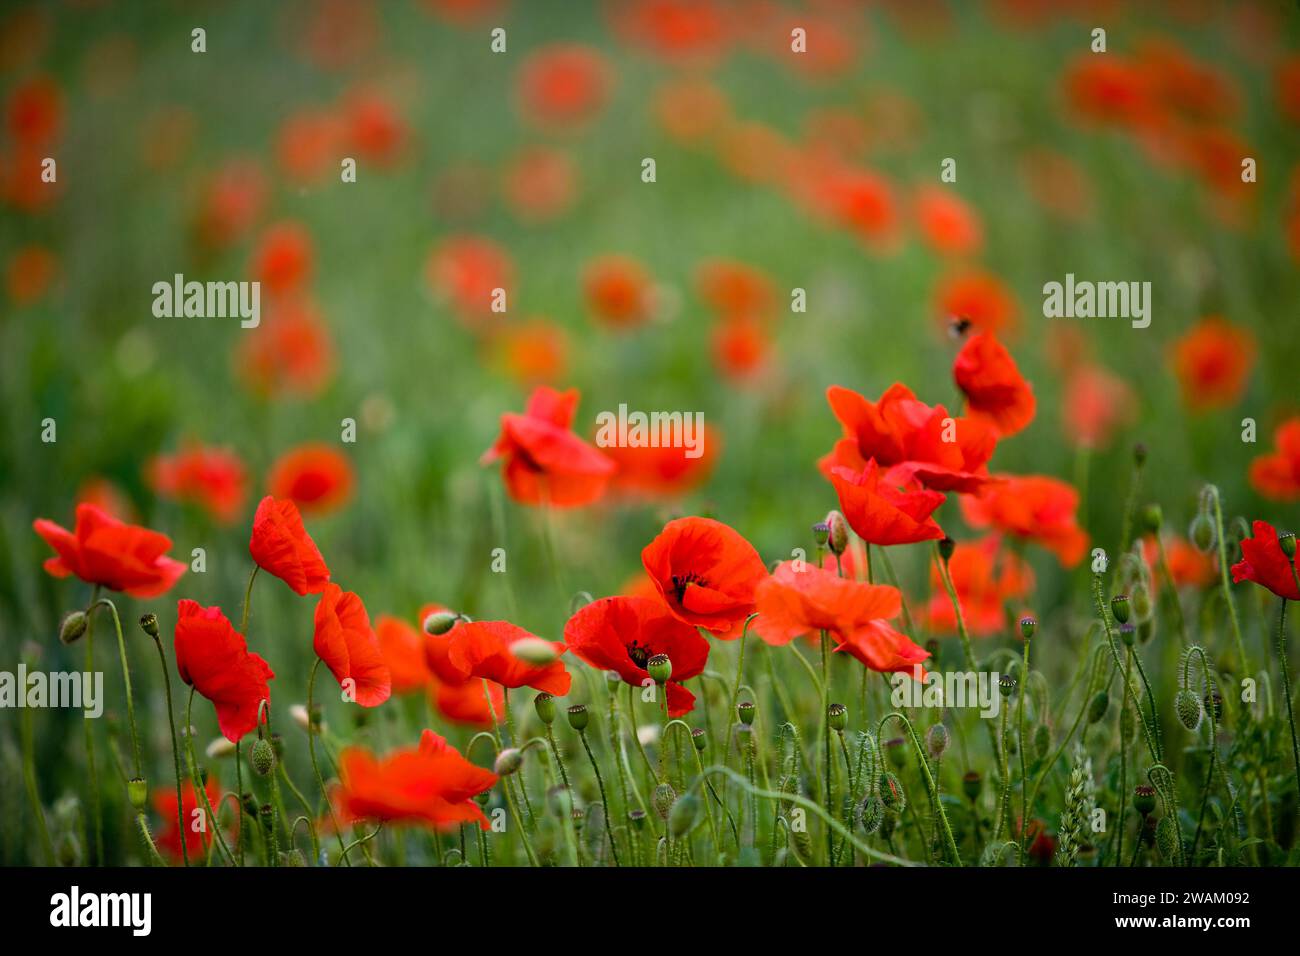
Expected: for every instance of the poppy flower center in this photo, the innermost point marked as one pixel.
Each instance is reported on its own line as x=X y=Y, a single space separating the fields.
x=639 y=654
x=680 y=581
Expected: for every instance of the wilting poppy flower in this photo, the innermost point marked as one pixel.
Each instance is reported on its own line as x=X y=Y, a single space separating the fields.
x=533 y=352
x=741 y=347
x=346 y=643
x=886 y=510
x=403 y=651
x=1035 y=508
x=213 y=478
x=540 y=183
x=281 y=545
x=947 y=223
x=466 y=271
x=482 y=649
x=1276 y=475
x=430 y=785
x=987 y=375
x=545 y=462
x=1096 y=403
x=564 y=85
x=282 y=261
x=1263 y=562
x=986 y=579
x=290 y=352
x=103 y=550
x=705 y=572
x=732 y=288
x=667 y=471
x=213 y=658
x=1187 y=566
x=1213 y=362
x=619 y=291
x=800 y=599
x=621 y=634
x=29 y=273
x=980 y=298
x=170 y=832
x=317 y=477
x=900 y=431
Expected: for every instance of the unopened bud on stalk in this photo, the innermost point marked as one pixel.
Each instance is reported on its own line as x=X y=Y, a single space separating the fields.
x=1167 y=839
x=837 y=716
x=871 y=812
x=1188 y=707
x=684 y=815
x=220 y=747
x=936 y=740
x=839 y=532
x=544 y=704
x=534 y=650
x=508 y=761
x=1214 y=704
x=896 y=749
x=1201 y=533
x=1028 y=624
x=1152 y=518
x=637 y=819
x=266 y=814
x=1120 y=608
x=664 y=798
x=73 y=626
x=298 y=714
x=660 y=668
x=1097 y=706
x=439 y=622
x=1286 y=541
x=137 y=791
x=578 y=717
x=891 y=791
x=745 y=710
x=1139 y=454
x=262 y=757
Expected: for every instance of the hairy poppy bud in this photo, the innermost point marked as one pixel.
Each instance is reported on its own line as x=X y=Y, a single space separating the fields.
x=896 y=750
x=137 y=791
x=699 y=738
x=946 y=547
x=545 y=706
x=1028 y=624
x=73 y=626
x=1188 y=707
x=660 y=668
x=745 y=710
x=936 y=740
x=1286 y=541
x=871 y=811
x=578 y=717
x=821 y=533
x=1152 y=518
x=837 y=715
x=1120 y=608
x=149 y=624
x=439 y=622
x=298 y=714
x=891 y=792
x=1167 y=839
x=1144 y=799
x=1141 y=601
x=839 y=532
x=262 y=757
x=1214 y=704
x=664 y=798
x=1097 y=706
x=1201 y=533
x=684 y=815
x=293 y=858
x=508 y=761
x=970 y=784
x=534 y=650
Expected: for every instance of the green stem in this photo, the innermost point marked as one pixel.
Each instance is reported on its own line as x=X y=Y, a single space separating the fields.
x=176 y=753
x=1223 y=579
x=604 y=800
x=311 y=749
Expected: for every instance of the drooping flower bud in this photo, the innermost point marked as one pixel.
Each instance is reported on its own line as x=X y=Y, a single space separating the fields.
x=1128 y=634
x=544 y=704
x=664 y=798
x=439 y=622
x=946 y=548
x=262 y=757
x=1188 y=707
x=837 y=716
x=660 y=668
x=1152 y=517
x=1201 y=533
x=839 y=532
x=1214 y=704
x=892 y=793
x=508 y=761
x=1167 y=839
x=871 y=811
x=73 y=626
x=578 y=717
x=684 y=815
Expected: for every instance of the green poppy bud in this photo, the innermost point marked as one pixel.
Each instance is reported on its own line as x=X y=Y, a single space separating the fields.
x=839 y=532
x=73 y=626
x=970 y=784
x=871 y=811
x=1042 y=741
x=508 y=761
x=262 y=757
x=1201 y=533
x=1188 y=707
x=1152 y=518
x=1167 y=839
x=936 y=740
x=683 y=815
x=1097 y=706
x=892 y=793
x=439 y=622
x=663 y=799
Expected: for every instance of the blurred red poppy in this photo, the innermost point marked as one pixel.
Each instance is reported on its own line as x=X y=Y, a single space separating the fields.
x=105 y=551
x=1033 y=507
x=1287 y=84
x=29 y=274
x=742 y=348
x=281 y=546
x=988 y=580
x=691 y=110
x=1263 y=562
x=402 y=648
x=534 y=352
x=619 y=291
x=213 y=478
x=947 y=222
x=884 y=509
x=980 y=298
x=34 y=112
x=664 y=472
x=231 y=202
x=289 y=353
x=1213 y=361
x=429 y=785
x=308 y=145
x=672 y=29
x=466 y=271
x=621 y=634
x=1095 y=405
x=214 y=659
x=1111 y=89
x=373 y=128
x=705 y=572
x=540 y=183
x=732 y=288
x=1187 y=566
x=800 y=599
x=346 y=643
x=1276 y=474
x=543 y=461
x=316 y=477
x=987 y=375
x=107 y=496
x=482 y=649
x=170 y=832
x=282 y=261
x=564 y=85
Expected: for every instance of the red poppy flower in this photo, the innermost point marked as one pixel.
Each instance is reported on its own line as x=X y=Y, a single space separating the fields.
x=673 y=29
x=1187 y=566
x=947 y=223
x=533 y=353
x=213 y=658
x=879 y=647
x=282 y=261
x=29 y=274
x=899 y=430
x=803 y=599
x=467 y=702
x=374 y=129
x=884 y=508
x=213 y=478
x=1276 y=475
x=430 y=785
x=1213 y=362
x=705 y=571
x=741 y=347
x=317 y=477
x=619 y=291
x=290 y=352
x=564 y=85
x=543 y=461
x=540 y=183
x=466 y=271
x=733 y=288
x=1108 y=89
x=170 y=834
x=1096 y=404
x=664 y=472
x=621 y=633
x=346 y=643
x=1287 y=85
x=861 y=201
x=691 y=110
x=981 y=298
x=987 y=375
x=481 y=649
x=1033 y=507
x=281 y=545
x=307 y=146
x=403 y=652
x=231 y=202
x=103 y=550
x=986 y=579
x=34 y=112
x=1263 y=562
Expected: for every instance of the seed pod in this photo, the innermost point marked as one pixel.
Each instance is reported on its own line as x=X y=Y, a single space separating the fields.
x=821 y=533
x=1144 y=799
x=1028 y=624
x=837 y=716
x=1097 y=706
x=578 y=717
x=660 y=668
x=1119 y=606
x=970 y=784
x=745 y=711
x=544 y=704
x=1189 y=710
x=946 y=548
x=1006 y=685
x=149 y=624
x=137 y=791
x=699 y=738
x=1286 y=541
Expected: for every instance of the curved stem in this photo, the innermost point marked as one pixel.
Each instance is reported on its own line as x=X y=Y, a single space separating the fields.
x=311 y=749
x=176 y=754
x=1223 y=580
x=932 y=789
